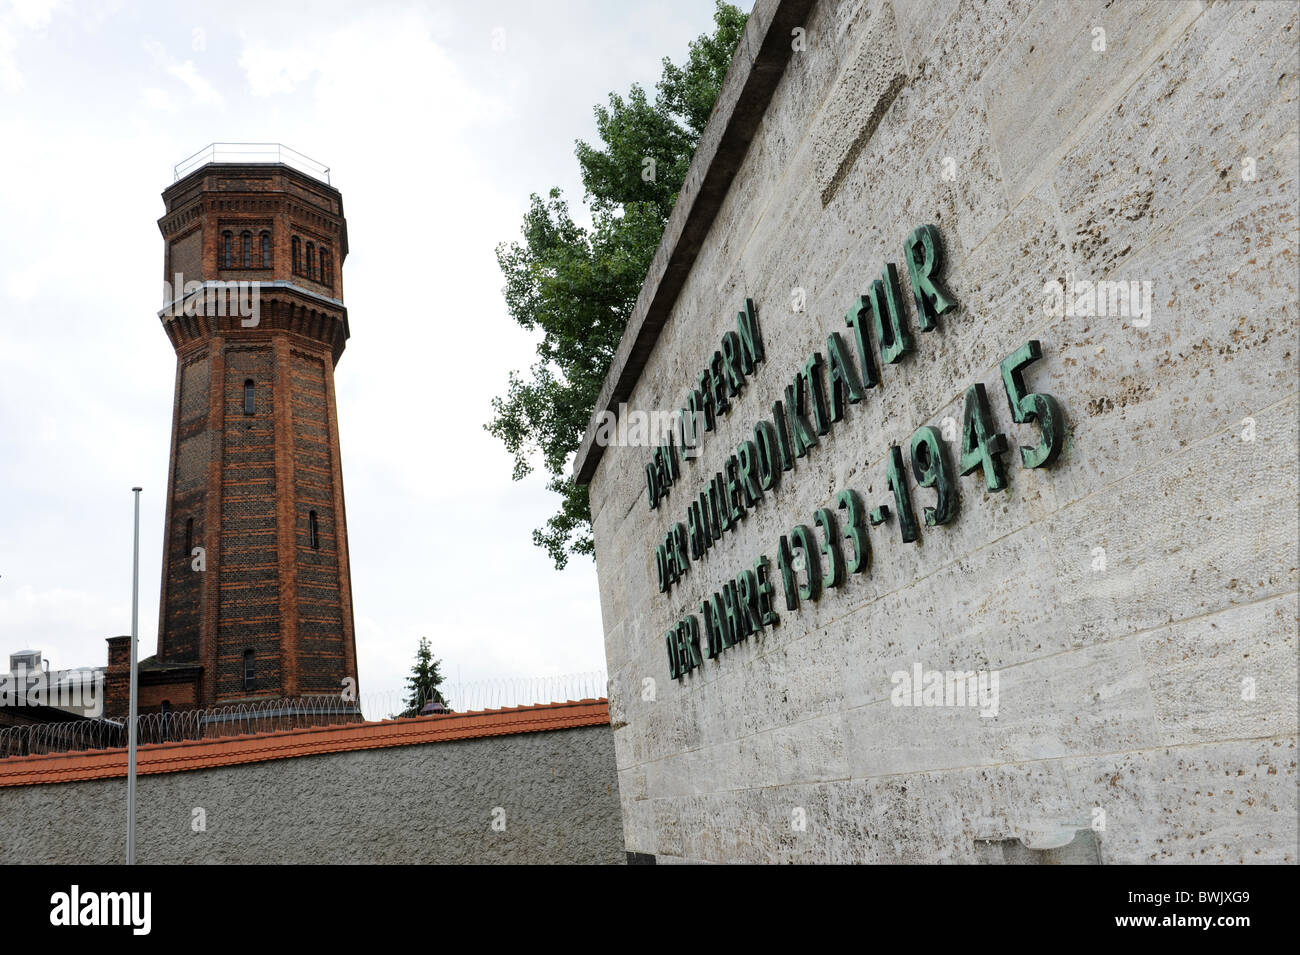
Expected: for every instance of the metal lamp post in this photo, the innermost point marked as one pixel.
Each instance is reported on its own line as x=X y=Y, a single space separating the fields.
x=130 y=725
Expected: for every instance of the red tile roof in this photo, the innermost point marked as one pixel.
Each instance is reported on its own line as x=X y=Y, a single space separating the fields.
x=308 y=741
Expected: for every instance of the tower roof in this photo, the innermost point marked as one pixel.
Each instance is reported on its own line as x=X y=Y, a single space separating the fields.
x=217 y=166
x=248 y=154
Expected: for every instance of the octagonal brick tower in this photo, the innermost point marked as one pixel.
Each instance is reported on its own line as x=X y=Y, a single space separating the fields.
x=265 y=609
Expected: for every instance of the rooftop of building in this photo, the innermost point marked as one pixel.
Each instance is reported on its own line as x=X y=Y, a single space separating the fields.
x=244 y=154
x=189 y=755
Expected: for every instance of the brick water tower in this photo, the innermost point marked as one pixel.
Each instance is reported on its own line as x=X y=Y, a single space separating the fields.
x=256 y=597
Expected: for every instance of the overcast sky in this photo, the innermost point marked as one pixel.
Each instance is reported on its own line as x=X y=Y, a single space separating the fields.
x=437 y=120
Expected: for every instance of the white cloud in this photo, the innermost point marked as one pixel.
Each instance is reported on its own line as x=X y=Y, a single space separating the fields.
x=11 y=78
x=158 y=99
x=272 y=70
x=25 y=284
x=385 y=68
x=33 y=14
x=60 y=622
x=201 y=91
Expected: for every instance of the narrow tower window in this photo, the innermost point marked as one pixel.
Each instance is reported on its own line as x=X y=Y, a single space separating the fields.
x=248 y=396
x=325 y=265
x=227 y=254
x=246 y=242
x=297 y=254
x=266 y=250
x=311 y=260
x=248 y=670
x=313 y=531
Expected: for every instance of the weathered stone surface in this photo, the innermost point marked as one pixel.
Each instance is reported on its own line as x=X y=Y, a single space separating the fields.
x=1225 y=91
x=1065 y=63
x=1222 y=803
x=864 y=92
x=1123 y=593
x=1226 y=676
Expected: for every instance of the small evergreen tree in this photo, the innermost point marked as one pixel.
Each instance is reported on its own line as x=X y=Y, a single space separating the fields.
x=423 y=682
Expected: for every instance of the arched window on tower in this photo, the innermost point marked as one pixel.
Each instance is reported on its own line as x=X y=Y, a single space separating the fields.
x=227 y=253
x=326 y=266
x=297 y=254
x=266 y=250
x=246 y=241
x=248 y=396
x=249 y=679
x=311 y=260
x=313 y=531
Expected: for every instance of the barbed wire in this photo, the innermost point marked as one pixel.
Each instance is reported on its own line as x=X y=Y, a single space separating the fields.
x=272 y=715
x=494 y=693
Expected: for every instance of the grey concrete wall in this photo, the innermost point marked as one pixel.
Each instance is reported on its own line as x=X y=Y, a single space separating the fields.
x=1169 y=157
x=409 y=804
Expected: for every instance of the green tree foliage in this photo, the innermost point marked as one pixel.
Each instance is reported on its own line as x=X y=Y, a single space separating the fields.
x=578 y=286
x=423 y=683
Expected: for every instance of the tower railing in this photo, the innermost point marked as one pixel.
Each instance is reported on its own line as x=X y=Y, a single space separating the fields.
x=222 y=153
